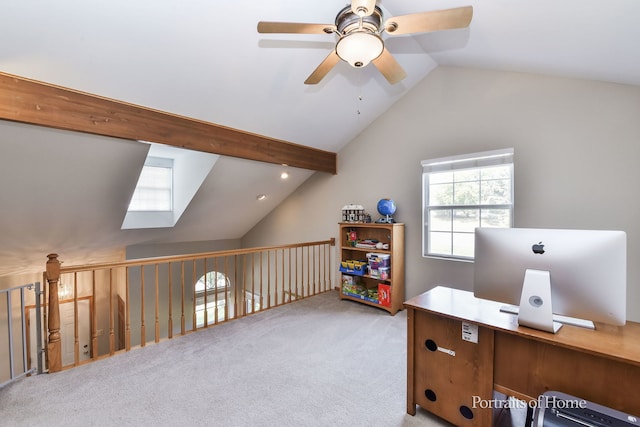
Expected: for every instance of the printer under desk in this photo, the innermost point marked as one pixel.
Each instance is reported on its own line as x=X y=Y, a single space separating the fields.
x=555 y=409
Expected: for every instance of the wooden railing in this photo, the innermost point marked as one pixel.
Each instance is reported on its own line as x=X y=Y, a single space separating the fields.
x=96 y=311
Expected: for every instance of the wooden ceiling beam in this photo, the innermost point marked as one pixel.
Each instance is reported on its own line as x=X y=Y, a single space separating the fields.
x=33 y=102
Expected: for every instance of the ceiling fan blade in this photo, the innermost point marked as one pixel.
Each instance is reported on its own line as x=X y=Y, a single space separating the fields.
x=295 y=28
x=436 y=20
x=389 y=67
x=325 y=66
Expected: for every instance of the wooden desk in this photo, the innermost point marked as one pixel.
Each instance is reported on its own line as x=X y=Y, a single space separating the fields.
x=601 y=366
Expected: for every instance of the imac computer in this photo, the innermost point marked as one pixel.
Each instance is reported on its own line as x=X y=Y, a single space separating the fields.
x=554 y=276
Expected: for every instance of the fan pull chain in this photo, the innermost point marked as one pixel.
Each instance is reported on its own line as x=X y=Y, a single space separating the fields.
x=360 y=96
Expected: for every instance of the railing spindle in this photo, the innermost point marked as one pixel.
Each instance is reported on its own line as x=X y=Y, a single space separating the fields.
x=235 y=288
x=226 y=293
x=290 y=289
x=157 y=306
x=127 y=305
x=112 y=337
x=215 y=295
x=268 y=279
x=76 y=332
x=324 y=270
x=296 y=275
x=309 y=271
x=275 y=279
x=253 y=284
x=243 y=289
x=206 y=292
x=170 y=321
x=283 y=277
x=92 y=313
x=261 y=282
x=315 y=264
x=182 y=317
x=193 y=289
x=143 y=331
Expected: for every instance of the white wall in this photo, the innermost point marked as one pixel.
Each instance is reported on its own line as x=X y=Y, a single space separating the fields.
x=576 y=145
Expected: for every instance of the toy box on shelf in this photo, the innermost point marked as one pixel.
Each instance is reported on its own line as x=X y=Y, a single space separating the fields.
x=379 y=265
x=354 y=287
x=351 y=284
x=351 y=266
x=384 y=294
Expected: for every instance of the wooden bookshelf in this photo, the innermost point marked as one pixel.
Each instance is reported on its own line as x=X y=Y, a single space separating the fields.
x=378 y=284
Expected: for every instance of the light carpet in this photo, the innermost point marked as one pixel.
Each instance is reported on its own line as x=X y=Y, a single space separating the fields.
x=316 y=362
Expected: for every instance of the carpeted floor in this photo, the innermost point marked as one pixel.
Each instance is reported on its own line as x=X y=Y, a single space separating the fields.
x=316 y=362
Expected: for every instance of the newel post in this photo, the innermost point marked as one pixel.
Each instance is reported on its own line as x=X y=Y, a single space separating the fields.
x=54 y=346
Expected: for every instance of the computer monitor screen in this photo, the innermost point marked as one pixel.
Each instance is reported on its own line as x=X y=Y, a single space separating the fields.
x=586 y=271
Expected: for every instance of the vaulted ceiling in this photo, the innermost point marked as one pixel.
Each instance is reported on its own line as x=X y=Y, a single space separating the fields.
x=205 y=60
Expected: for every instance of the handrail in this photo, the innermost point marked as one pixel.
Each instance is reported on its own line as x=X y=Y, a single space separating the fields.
x=147 y=300
x=172 y=258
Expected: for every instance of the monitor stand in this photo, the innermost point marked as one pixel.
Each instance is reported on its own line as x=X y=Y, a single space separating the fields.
x=535 y=309
x=535 y=302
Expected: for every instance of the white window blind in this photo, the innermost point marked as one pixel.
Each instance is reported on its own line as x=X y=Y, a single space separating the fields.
x=154 y=191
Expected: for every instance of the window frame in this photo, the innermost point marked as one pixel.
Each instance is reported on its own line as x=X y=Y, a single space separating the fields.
x=472 y=161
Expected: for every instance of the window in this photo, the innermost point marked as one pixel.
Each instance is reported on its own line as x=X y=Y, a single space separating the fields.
x=217 y=287
x=219 y=303
x=212 y=281
x=154 y=191
x=461 y=193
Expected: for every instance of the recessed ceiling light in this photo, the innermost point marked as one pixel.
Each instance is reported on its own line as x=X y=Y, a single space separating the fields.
x=284 y=175
x=261 y=196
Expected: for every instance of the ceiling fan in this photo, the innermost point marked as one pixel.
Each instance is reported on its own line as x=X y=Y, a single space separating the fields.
x=359 y=27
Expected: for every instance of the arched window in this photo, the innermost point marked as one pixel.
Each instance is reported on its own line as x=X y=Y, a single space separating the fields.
x=216 y=286
x=213 y=280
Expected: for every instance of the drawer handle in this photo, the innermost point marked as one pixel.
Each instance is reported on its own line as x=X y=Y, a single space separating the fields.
x=432 y=346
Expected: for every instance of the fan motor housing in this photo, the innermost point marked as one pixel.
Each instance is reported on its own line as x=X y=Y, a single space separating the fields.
x=347 y=21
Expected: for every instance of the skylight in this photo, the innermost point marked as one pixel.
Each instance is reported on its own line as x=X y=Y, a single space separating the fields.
x=168 y=180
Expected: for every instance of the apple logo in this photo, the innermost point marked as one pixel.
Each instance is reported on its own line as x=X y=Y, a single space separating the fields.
x=538 y=248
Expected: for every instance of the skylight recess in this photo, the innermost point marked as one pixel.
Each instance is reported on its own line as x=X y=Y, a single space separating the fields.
x=169 y=179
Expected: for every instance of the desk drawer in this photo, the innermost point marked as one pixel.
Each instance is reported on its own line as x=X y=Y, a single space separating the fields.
x=451 y=375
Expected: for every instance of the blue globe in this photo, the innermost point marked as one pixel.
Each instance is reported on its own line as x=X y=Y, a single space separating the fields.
x=386 y=207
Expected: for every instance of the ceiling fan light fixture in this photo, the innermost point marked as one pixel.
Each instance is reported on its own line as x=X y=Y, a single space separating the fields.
x=358 y=48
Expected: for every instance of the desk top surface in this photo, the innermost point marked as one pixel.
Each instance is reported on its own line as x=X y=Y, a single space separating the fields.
x=614 y=342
